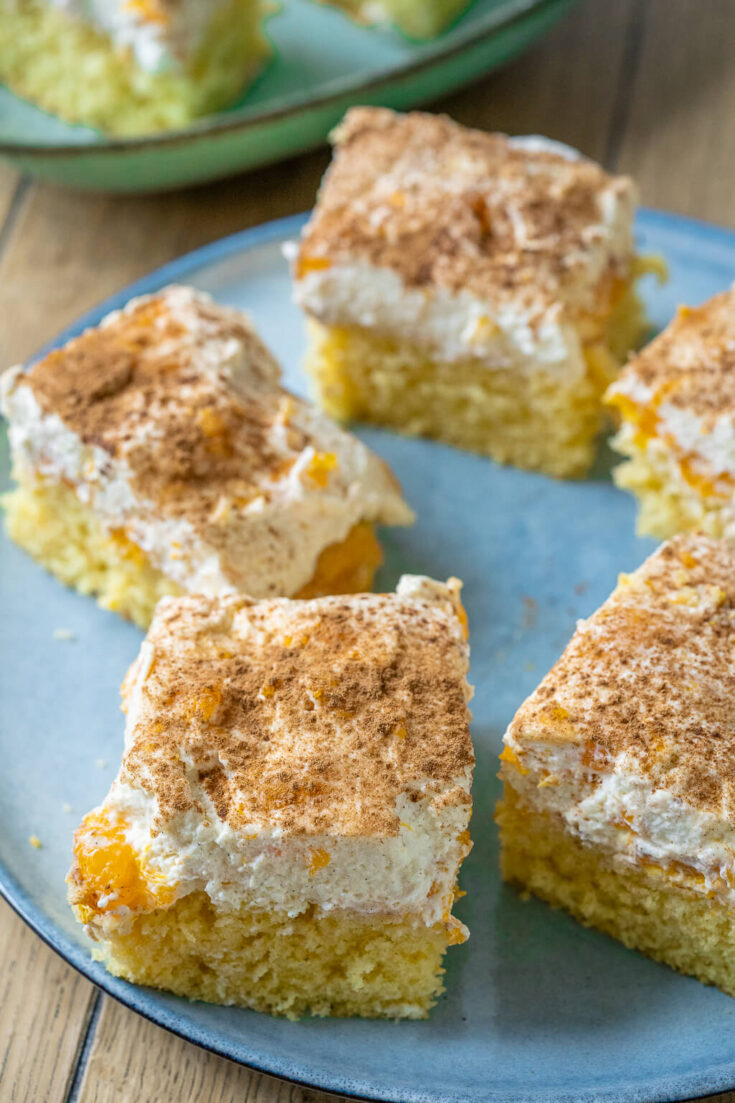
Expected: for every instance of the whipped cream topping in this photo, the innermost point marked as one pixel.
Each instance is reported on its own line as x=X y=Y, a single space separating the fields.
x=451 y=326
x=538 y=143
x=708 y=440
x=269 y=518
x=354 y=812
x=412 y=874
x=622 y=813
x=163 y=34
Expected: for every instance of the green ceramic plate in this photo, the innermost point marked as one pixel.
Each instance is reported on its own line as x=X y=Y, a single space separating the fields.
x=323 y=63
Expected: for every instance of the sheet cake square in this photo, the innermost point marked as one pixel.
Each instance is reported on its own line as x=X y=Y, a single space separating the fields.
x=159 y=454
x=619 y=770
x=293 y=804
x=468 y=286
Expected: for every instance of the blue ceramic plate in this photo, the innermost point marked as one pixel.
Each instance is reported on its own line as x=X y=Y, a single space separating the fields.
x=537 y=1008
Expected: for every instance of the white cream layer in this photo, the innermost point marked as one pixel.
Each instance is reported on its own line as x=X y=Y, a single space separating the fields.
x=449 y=326
x=712 y=442
x=412 y=873
x=618 y=811
x=279 y=537
x=162 y=37
x=505 y=332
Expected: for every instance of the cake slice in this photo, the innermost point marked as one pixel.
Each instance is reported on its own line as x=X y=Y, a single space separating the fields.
x=293 y=804
x=159 y=454
x=619 y=771
x=418 y=19
x=470 y=287
x=131 y=66
x=676 y=404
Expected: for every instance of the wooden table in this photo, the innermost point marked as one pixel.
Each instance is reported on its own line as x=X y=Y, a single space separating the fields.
x=647 y=87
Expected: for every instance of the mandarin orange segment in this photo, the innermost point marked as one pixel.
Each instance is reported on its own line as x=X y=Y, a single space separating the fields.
x=456 y=933
x=320 y=467
x=208 y=702
x=319 y=859
x=508 y=755
x=462 y=618
x=127 y=548
x=311 y=264
x=150 y=11
x=111 y=871
x=348 y=567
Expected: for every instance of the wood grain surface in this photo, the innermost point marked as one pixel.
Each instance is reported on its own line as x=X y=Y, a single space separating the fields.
x=9 y=179
x=134 y=1060
x=646 y=86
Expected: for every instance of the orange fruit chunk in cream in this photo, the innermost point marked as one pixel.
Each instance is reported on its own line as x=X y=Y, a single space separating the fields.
x=111 y=871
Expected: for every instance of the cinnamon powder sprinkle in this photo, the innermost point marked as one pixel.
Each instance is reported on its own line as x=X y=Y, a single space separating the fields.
x=445 y=206
x=652 y=674
x=691 y=364
x=156 y=392
x=287 y=713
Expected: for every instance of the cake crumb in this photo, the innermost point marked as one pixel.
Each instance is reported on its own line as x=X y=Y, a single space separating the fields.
x=35 y=842
x=66 y=807
x=63 y=634
x=530 y=611
x=102 y=763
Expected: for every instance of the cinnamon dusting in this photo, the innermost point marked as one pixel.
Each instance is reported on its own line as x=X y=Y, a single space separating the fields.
x=691 y=364
x=476 y=213
x=652 y=675
x=288 y=713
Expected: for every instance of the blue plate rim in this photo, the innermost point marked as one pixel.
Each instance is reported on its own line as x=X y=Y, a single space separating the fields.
x=144 y=1001
x=241 y=118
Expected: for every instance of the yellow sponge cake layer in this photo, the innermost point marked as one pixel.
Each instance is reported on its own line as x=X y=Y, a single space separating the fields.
x=671 y=497
x=339 y=965
x=68 y=539
x=672 y=923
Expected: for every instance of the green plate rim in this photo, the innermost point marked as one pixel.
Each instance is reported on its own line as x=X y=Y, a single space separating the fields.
x=243 y=118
